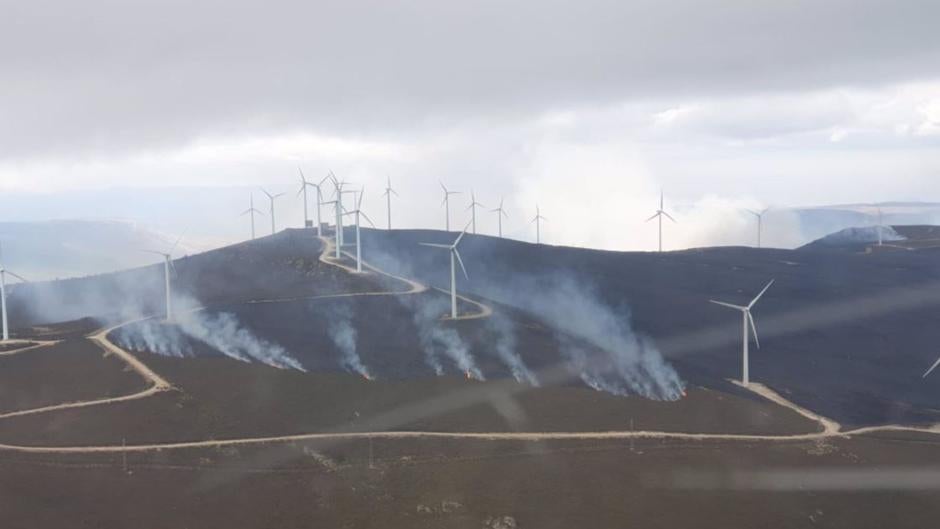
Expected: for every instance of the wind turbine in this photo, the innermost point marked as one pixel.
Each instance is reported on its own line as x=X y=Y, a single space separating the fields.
x=660 y=213
x=500 y=213
x=338 y=220
x=304 y=184
x=357 y=212
x=167 y=265
x=760 y=222
x=454 y=256
x=446 y=203
x=338 y=206
x=538 y=225
x=271 y=197
x=388 y=200
x=251 y=211
x=748 y=320
x=3 y=298
x=473 y=211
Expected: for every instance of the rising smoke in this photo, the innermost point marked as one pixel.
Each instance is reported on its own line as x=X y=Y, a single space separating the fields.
x=220 y=331
x=437 y=340
x=343 y=334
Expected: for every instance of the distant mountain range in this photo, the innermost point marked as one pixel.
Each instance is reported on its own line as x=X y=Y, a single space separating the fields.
x=70 y=248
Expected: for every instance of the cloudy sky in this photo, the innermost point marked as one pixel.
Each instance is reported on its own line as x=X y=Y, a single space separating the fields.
x=152 y=110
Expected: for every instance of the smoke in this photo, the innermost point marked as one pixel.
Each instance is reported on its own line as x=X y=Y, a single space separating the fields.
x=437 y=340
x=220 y=331
x=343 y=335
x=504 y=337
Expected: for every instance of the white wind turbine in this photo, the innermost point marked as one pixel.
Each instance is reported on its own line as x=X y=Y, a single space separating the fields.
x=446 y=204
x=358 y=212
x=3 y=298
x=338 y=207
x=304 y=184
x=500 y=213
x=538 y=225
x=251 y=211
x=271 y=207
x=660 y=213
x=454 y=261
x=880 y=224
x=748 y=321
x=388 y=200
x=760 y=222
x=167 y=265
x=473 y=211
x=338 y=220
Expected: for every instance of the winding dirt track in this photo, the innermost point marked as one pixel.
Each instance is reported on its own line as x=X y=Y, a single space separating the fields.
x=828 y=427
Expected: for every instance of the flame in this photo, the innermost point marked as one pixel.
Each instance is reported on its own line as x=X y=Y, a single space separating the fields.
x=469 y=376
x=366 y=376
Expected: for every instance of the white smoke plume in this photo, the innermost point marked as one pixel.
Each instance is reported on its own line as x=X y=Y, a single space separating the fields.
x=436 y=339
x=344 y=336
x=505 y=346
x=219 y=330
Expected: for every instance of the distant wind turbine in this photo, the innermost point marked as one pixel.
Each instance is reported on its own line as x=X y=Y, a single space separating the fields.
x=760 y=222
x=473 y=211
x=748 y=321
x=304 y=184
x=167 y=266
x=338 y=206
x=660 y=213
x=251 y=211
x=388 y=200
x=500 y=213
x=446 y=204
x=271 y=208
x=3 y=298
x=538 y=225
x=880 y=224
x=358 y=212
x=454 y=261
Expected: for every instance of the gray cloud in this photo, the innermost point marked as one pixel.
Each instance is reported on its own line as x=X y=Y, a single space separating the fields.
x=102 y=76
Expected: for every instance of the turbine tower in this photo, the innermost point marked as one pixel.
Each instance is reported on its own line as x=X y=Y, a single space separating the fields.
x=454 y=260
x=271 y=207
x=748 y=321
x=760 y=222
x=446 y=204
x=880 y=238
x=660 y=213
x=388 y=200
x=251 y=211
x=3 y=298
x=357 y=212
x=500 y=213
x=304 y=184
x=538 y=225
x=167 y=265
x=473 y=211
x=338 y=221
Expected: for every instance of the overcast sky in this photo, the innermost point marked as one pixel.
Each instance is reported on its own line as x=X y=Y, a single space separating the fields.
x=587 y=108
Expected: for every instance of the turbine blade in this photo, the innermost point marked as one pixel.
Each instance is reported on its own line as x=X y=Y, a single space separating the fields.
x=302 y=177
x=362 y=192
x=21 y=278
x=460 y=262
x=668 y=216
x=434 y=245
x=653 y=217
x=751 y=304
x=367 y=218
x=729 y=305
x=750 y=318
x=464 y=232
x=934 y=366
